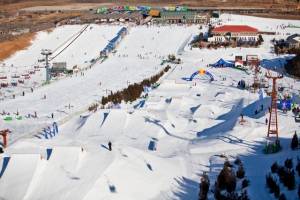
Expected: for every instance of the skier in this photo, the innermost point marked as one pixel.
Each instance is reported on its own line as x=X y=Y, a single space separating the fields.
x=266 y=121
x=52 y=115
x=109 y=146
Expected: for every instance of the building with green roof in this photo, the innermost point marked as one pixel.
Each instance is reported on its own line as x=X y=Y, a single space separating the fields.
x=186 y=17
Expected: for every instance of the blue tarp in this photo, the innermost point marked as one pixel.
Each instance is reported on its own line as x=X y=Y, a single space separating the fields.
x=140 y=104
x=49 y=152
x=152 y=145
x=104 y=118
x=223 y=63
x=5 y=161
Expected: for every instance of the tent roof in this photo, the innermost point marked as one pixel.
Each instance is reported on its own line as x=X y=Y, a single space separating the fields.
x=223 y=62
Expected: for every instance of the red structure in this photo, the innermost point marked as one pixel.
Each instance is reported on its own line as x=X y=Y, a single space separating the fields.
x=273 y=121
x=4 y=134
x=254 y=62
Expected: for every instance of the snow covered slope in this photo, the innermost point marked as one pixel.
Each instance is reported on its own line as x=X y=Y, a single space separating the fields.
x=158 y=150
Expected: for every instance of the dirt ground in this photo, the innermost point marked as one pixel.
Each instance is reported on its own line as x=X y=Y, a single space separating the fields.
x=8 y=48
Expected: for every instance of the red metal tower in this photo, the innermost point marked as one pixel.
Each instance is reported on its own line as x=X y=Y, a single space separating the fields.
x=4 y=134
x=273 y=121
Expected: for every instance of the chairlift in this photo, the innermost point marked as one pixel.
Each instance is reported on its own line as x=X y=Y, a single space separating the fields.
x=14 y=83
x=15 y=76
x=297 y=118
x=4 y=84
x=3 y=77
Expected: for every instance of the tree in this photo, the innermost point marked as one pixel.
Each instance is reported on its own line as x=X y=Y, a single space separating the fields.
x=204 y=187
x=295 y=142
x=260 y=38
x=274 y=167
x=298 y=167
x=288 y=163
x=282 y=197
x=240 y=173
x=245 y=183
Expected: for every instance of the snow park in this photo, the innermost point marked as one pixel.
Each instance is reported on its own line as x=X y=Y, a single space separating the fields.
x=157 y=110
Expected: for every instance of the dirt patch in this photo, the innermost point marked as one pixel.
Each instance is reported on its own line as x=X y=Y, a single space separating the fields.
x=8 y=48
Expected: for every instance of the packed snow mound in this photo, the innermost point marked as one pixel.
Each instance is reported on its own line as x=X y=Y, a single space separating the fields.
x=80 y=52
x=18 y=174
x=156 y=174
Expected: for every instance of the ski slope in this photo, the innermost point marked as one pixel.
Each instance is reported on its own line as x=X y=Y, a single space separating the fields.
x=159 y=150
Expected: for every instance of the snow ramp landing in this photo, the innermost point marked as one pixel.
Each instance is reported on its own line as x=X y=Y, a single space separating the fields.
x=149 y=176
x=67 y=158
x=18 y=175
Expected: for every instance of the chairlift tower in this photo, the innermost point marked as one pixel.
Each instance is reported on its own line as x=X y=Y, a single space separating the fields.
x=47 y=53
x=273 y=121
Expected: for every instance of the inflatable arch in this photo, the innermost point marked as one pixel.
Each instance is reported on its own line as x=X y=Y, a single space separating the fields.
x=200 y=72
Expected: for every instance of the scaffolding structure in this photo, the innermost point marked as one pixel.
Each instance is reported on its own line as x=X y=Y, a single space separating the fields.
x=273 y=120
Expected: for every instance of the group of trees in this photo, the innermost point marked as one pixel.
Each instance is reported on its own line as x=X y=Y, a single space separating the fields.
x=293 y=66
x=226 y=184
x=133 y=91
x=282 y=47
x=286 y=176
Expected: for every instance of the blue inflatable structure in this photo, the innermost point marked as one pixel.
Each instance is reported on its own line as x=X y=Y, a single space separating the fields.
x=285 y=104
x=200 y=72
x=113 y=42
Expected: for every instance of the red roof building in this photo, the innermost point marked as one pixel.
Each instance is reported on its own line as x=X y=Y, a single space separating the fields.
x=237 y=32
x=235 y=29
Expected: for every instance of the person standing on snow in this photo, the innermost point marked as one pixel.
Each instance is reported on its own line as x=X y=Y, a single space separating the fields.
x=109 y=146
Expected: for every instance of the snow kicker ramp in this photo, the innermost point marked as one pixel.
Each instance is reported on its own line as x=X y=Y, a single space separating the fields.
x=138 y=132
x=18 y=174
x=114 y=123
